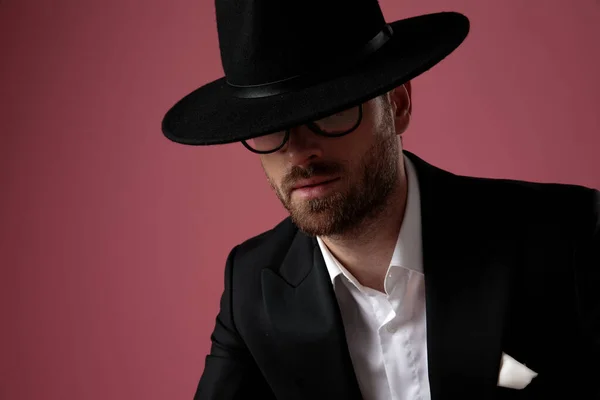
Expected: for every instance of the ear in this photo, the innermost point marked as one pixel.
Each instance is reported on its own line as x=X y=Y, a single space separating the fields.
x=401 y=98
x=408 y=86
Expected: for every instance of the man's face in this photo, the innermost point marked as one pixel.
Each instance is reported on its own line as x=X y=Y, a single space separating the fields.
x=354 y=174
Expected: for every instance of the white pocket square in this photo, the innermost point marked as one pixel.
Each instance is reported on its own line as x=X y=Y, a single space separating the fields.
x=513 y=374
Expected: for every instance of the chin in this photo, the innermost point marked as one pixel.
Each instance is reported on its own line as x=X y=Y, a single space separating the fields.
x=315 y=223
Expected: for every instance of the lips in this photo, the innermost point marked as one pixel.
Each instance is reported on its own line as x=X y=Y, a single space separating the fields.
x=311 y=182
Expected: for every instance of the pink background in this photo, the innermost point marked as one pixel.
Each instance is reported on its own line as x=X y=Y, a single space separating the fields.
x=113 y=239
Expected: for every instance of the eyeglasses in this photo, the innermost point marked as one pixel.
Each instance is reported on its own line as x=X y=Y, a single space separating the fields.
x=336 y=125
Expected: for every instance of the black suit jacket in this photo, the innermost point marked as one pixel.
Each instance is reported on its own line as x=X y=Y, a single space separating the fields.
x=510 y=266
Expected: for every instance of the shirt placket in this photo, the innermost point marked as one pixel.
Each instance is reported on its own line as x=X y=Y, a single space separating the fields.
x=400 y=355
x=384 y=313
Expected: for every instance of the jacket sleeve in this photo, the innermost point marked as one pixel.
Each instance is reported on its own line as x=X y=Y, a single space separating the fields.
x=230 y=371
x=587 y=279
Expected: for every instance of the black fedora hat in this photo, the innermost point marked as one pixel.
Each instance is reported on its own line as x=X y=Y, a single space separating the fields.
x=293 y=61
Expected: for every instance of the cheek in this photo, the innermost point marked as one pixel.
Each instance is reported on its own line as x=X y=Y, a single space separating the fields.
x=353 y=147
x=272 y=171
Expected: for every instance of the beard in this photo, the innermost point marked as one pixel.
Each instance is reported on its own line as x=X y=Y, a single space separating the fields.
x=364 y=190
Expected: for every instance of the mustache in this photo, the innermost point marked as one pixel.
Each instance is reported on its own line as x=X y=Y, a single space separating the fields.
x=313 y=170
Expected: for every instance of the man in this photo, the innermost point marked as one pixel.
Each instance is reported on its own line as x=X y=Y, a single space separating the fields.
x=391 y=279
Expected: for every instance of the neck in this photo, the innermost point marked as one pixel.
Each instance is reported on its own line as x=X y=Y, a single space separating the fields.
x=367 y=250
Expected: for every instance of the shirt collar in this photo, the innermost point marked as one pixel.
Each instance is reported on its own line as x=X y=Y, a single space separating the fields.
x=408 y=250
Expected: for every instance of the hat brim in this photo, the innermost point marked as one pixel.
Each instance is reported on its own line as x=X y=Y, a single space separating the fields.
x=212 y=114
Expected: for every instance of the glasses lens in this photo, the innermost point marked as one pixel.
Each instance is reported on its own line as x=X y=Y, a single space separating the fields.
x=266 y=143
x=340 y=122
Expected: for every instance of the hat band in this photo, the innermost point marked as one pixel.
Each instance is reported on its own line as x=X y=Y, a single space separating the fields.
x=301 y=81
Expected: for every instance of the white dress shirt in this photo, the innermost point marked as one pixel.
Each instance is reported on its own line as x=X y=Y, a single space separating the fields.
x=386 y=332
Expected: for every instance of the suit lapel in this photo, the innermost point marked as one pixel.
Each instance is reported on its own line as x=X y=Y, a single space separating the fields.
x=307 y=324
x=467 y=276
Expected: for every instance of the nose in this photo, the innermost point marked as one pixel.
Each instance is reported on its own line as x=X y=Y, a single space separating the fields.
x=303 y=146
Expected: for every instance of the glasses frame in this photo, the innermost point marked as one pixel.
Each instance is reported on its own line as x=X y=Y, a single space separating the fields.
x=314 y=128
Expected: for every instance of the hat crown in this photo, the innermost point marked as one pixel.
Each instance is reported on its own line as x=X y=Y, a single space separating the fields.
x=266 y=41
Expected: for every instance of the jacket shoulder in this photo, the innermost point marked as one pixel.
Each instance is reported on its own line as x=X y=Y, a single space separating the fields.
x=267 y=248
x=537 y=202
